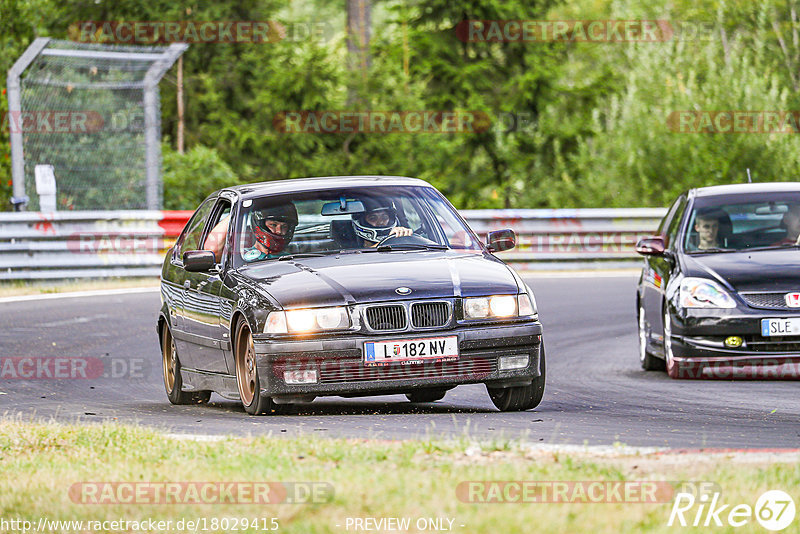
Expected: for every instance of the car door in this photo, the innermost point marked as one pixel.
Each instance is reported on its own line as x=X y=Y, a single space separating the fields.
x=188 y=240
x=202 y=297
x=659 y=270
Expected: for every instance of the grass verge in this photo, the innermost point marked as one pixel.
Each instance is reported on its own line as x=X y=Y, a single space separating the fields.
x=41 y=462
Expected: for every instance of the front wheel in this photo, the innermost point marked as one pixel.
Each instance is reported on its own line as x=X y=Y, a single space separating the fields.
x=247 y=374
x=520 y=398
x=648 y=361
x=171 y=367
x=673 y=367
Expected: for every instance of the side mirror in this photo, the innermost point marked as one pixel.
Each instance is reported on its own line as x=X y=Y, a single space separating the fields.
x=198 y=261
x=651 y=246
x=501 y=240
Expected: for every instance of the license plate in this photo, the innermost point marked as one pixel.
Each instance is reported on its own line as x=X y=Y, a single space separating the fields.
x=780 y=327
x=405 y=351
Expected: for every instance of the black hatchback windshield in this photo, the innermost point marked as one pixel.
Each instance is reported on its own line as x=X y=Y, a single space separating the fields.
x=729 y=224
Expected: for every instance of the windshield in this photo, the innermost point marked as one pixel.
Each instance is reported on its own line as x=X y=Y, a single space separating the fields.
x=762 y=221
x=366 y=219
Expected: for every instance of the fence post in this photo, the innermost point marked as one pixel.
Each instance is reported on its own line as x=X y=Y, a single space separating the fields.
x=14 y=118
x=152 y=134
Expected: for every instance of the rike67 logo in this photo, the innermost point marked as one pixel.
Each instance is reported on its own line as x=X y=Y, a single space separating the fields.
x=774 y=510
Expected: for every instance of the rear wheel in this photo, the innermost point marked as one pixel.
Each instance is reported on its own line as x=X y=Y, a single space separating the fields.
x=520 y=398
x=171 y=367
x=247 y=374
x=648 y=361
x=427 y=395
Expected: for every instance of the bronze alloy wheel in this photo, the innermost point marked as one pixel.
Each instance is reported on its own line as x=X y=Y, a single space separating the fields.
x=246 y=377
x=171 y=367
x=169 y=360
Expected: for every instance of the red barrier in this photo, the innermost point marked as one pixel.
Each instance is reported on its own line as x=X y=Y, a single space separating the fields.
x=173 y=221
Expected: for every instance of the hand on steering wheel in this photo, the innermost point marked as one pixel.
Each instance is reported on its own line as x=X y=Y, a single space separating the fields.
x=397 y=231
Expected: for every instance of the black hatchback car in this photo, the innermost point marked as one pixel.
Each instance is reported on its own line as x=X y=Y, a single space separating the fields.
x=279 y=292
x=719 y=294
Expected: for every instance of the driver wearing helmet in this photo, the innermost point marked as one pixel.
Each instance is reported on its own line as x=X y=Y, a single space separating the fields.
x=273 y=229
x=377 y=222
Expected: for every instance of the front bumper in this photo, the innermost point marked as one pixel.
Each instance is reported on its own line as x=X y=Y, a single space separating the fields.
x=699 y=335
x=338 y=362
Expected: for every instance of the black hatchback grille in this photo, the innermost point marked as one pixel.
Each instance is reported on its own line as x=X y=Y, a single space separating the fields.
x=773 y=344
x=386 y=317
x=429 y=314
x=769 y=301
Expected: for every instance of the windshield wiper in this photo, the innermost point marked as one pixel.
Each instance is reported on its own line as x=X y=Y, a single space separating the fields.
x=715 y=249
x=309 y=255
x=410 y=246
x=772 y=247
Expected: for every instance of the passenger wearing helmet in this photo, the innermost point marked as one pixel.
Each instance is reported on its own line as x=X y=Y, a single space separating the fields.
x=273 y=229
x=377 y=222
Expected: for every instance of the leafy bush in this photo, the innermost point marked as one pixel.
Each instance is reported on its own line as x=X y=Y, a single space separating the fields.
x=190 y=177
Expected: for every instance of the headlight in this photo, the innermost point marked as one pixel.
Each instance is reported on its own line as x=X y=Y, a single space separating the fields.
x=499 y=306
x=307 y=320
x=703 y=293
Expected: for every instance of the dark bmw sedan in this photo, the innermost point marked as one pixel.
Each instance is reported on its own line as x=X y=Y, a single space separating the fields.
x=719 y=294
x=279 y=292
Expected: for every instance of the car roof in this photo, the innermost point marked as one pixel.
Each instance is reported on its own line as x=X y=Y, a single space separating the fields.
x=745 y=189
x=277 y=187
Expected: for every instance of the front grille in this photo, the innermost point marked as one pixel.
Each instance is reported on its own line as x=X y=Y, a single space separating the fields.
x=353 y=370
x=386 y=317
x=773 y=344
x=768 y=301
x=429 y=314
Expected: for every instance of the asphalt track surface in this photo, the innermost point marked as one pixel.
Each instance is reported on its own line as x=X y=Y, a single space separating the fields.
x=596 y=393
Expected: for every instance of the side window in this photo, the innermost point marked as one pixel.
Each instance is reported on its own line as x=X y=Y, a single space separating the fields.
x=410 y=211
x=665 y=222
x=675 y=223
x=217 y=235
x=190 y=240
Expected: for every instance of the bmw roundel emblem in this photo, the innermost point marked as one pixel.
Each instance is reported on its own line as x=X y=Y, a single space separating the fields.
x=402 y=291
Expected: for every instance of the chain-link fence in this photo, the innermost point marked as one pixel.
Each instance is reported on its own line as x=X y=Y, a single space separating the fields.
x=92 y=112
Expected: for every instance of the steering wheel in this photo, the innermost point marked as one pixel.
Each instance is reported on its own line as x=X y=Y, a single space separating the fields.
x=405 y=240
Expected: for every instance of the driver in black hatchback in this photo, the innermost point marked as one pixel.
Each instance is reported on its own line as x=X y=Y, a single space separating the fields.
x=377 y=222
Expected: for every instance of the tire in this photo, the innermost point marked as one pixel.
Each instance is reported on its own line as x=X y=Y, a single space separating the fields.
x=426 y=395
x=648 y=361
x=247 y=379
x=673 y=368
x=171 y=371
x=520 y=398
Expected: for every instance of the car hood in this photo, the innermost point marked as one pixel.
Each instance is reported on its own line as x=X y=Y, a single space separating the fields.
x=760 y=270
x=374 y=277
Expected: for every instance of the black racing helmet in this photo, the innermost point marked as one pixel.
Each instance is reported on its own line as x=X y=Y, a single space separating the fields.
x=370 y=232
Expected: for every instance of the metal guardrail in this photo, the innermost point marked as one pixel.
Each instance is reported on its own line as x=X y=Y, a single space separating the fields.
x=99 y=244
